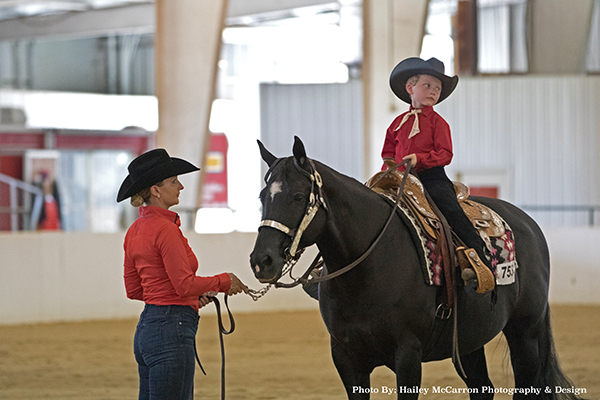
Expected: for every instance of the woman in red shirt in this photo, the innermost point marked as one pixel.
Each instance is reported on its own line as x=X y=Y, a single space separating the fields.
x=160 y=269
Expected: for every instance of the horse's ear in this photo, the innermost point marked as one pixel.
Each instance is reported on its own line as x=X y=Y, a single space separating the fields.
x=299 y=151
x=266 y=154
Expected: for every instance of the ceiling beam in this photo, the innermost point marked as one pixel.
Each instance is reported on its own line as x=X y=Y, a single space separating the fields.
x=136 y=18
x=128 y=19
x=241 y=8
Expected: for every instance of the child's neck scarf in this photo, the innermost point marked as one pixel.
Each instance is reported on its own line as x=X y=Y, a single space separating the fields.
x=415 y=128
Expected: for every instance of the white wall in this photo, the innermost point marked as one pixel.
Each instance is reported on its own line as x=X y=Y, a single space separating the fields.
x=77 y=276
x=574 y=265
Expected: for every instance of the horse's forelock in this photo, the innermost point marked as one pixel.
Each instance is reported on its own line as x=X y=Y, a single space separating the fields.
x=279 y=172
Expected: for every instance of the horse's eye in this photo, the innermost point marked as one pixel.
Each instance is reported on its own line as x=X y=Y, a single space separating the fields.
x=298 y=197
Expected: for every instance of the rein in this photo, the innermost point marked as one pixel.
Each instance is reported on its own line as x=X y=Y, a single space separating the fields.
x=222 y=332
x=316 y=200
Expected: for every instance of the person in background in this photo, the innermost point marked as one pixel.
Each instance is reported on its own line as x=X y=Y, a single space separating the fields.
x=160 y=270
x=50 y=215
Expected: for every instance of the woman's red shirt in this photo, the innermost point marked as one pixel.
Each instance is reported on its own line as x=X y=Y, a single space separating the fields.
x=160 y=266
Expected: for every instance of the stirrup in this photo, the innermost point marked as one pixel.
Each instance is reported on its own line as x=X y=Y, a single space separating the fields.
x=468 y=259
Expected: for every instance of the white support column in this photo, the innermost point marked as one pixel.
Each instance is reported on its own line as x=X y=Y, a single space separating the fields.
x=188 y=45
x=393 y=30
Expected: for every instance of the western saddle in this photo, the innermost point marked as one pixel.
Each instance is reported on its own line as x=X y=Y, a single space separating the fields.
x=485 y=220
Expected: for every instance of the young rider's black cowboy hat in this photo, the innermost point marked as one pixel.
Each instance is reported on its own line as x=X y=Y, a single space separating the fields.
x=416 y=66
x=149 y=169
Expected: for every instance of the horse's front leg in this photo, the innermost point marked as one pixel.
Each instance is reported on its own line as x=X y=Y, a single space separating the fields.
x=355 y=377
x=408 y=372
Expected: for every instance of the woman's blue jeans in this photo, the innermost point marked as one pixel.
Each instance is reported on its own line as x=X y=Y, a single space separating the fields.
x=164 y=350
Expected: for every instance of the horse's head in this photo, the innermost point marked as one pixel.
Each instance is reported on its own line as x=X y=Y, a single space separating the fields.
x=292 y=193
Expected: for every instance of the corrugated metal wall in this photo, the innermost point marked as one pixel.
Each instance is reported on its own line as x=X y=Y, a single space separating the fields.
x=327 y=117
x=544 y=132
x=540 y=135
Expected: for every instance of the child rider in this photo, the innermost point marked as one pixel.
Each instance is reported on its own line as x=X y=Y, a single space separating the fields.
x=423 y=136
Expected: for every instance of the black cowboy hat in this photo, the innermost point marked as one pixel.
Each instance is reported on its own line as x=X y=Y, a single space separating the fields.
x=149 y=169
x=416 y=66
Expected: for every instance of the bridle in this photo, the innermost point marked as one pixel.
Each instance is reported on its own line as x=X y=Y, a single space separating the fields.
x=317 y=200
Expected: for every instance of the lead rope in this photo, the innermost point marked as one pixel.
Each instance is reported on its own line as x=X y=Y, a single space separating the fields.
x=222 y=332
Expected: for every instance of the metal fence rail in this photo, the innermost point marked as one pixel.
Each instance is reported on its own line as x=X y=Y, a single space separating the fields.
x=28 y=212
x=589 y=209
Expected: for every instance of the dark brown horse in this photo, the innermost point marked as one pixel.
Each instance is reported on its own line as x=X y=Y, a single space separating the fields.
x=381 y=312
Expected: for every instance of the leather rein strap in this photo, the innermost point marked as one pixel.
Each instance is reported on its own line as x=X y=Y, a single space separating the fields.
x=309 y=214
x=222 y=332
x=372 y=247
x=451 y=296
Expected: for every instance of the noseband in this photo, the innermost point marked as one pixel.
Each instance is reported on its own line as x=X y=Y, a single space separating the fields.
x=316 y=200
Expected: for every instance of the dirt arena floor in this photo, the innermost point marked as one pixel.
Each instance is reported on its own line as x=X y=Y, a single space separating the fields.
x=282 y=355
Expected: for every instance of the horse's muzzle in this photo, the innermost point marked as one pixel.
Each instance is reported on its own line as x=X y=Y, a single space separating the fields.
x=266 y=266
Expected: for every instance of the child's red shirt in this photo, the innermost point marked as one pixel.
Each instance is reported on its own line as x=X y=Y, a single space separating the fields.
x=432 y=145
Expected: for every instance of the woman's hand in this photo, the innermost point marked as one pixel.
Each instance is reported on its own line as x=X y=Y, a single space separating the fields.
x=203 y=301
x=236 y=285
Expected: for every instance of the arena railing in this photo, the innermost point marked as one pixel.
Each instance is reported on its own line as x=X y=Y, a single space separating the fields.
x=21 y=206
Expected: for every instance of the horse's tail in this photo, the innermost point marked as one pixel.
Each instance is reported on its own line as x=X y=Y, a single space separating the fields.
x=554 y=384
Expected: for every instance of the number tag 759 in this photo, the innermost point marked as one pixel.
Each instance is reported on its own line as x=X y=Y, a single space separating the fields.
x=506 y=273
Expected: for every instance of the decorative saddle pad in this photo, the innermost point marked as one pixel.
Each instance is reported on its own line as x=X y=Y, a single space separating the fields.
x=484 y=219
x=501 y=248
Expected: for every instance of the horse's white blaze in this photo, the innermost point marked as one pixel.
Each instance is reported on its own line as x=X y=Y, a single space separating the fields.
x=276 y=187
